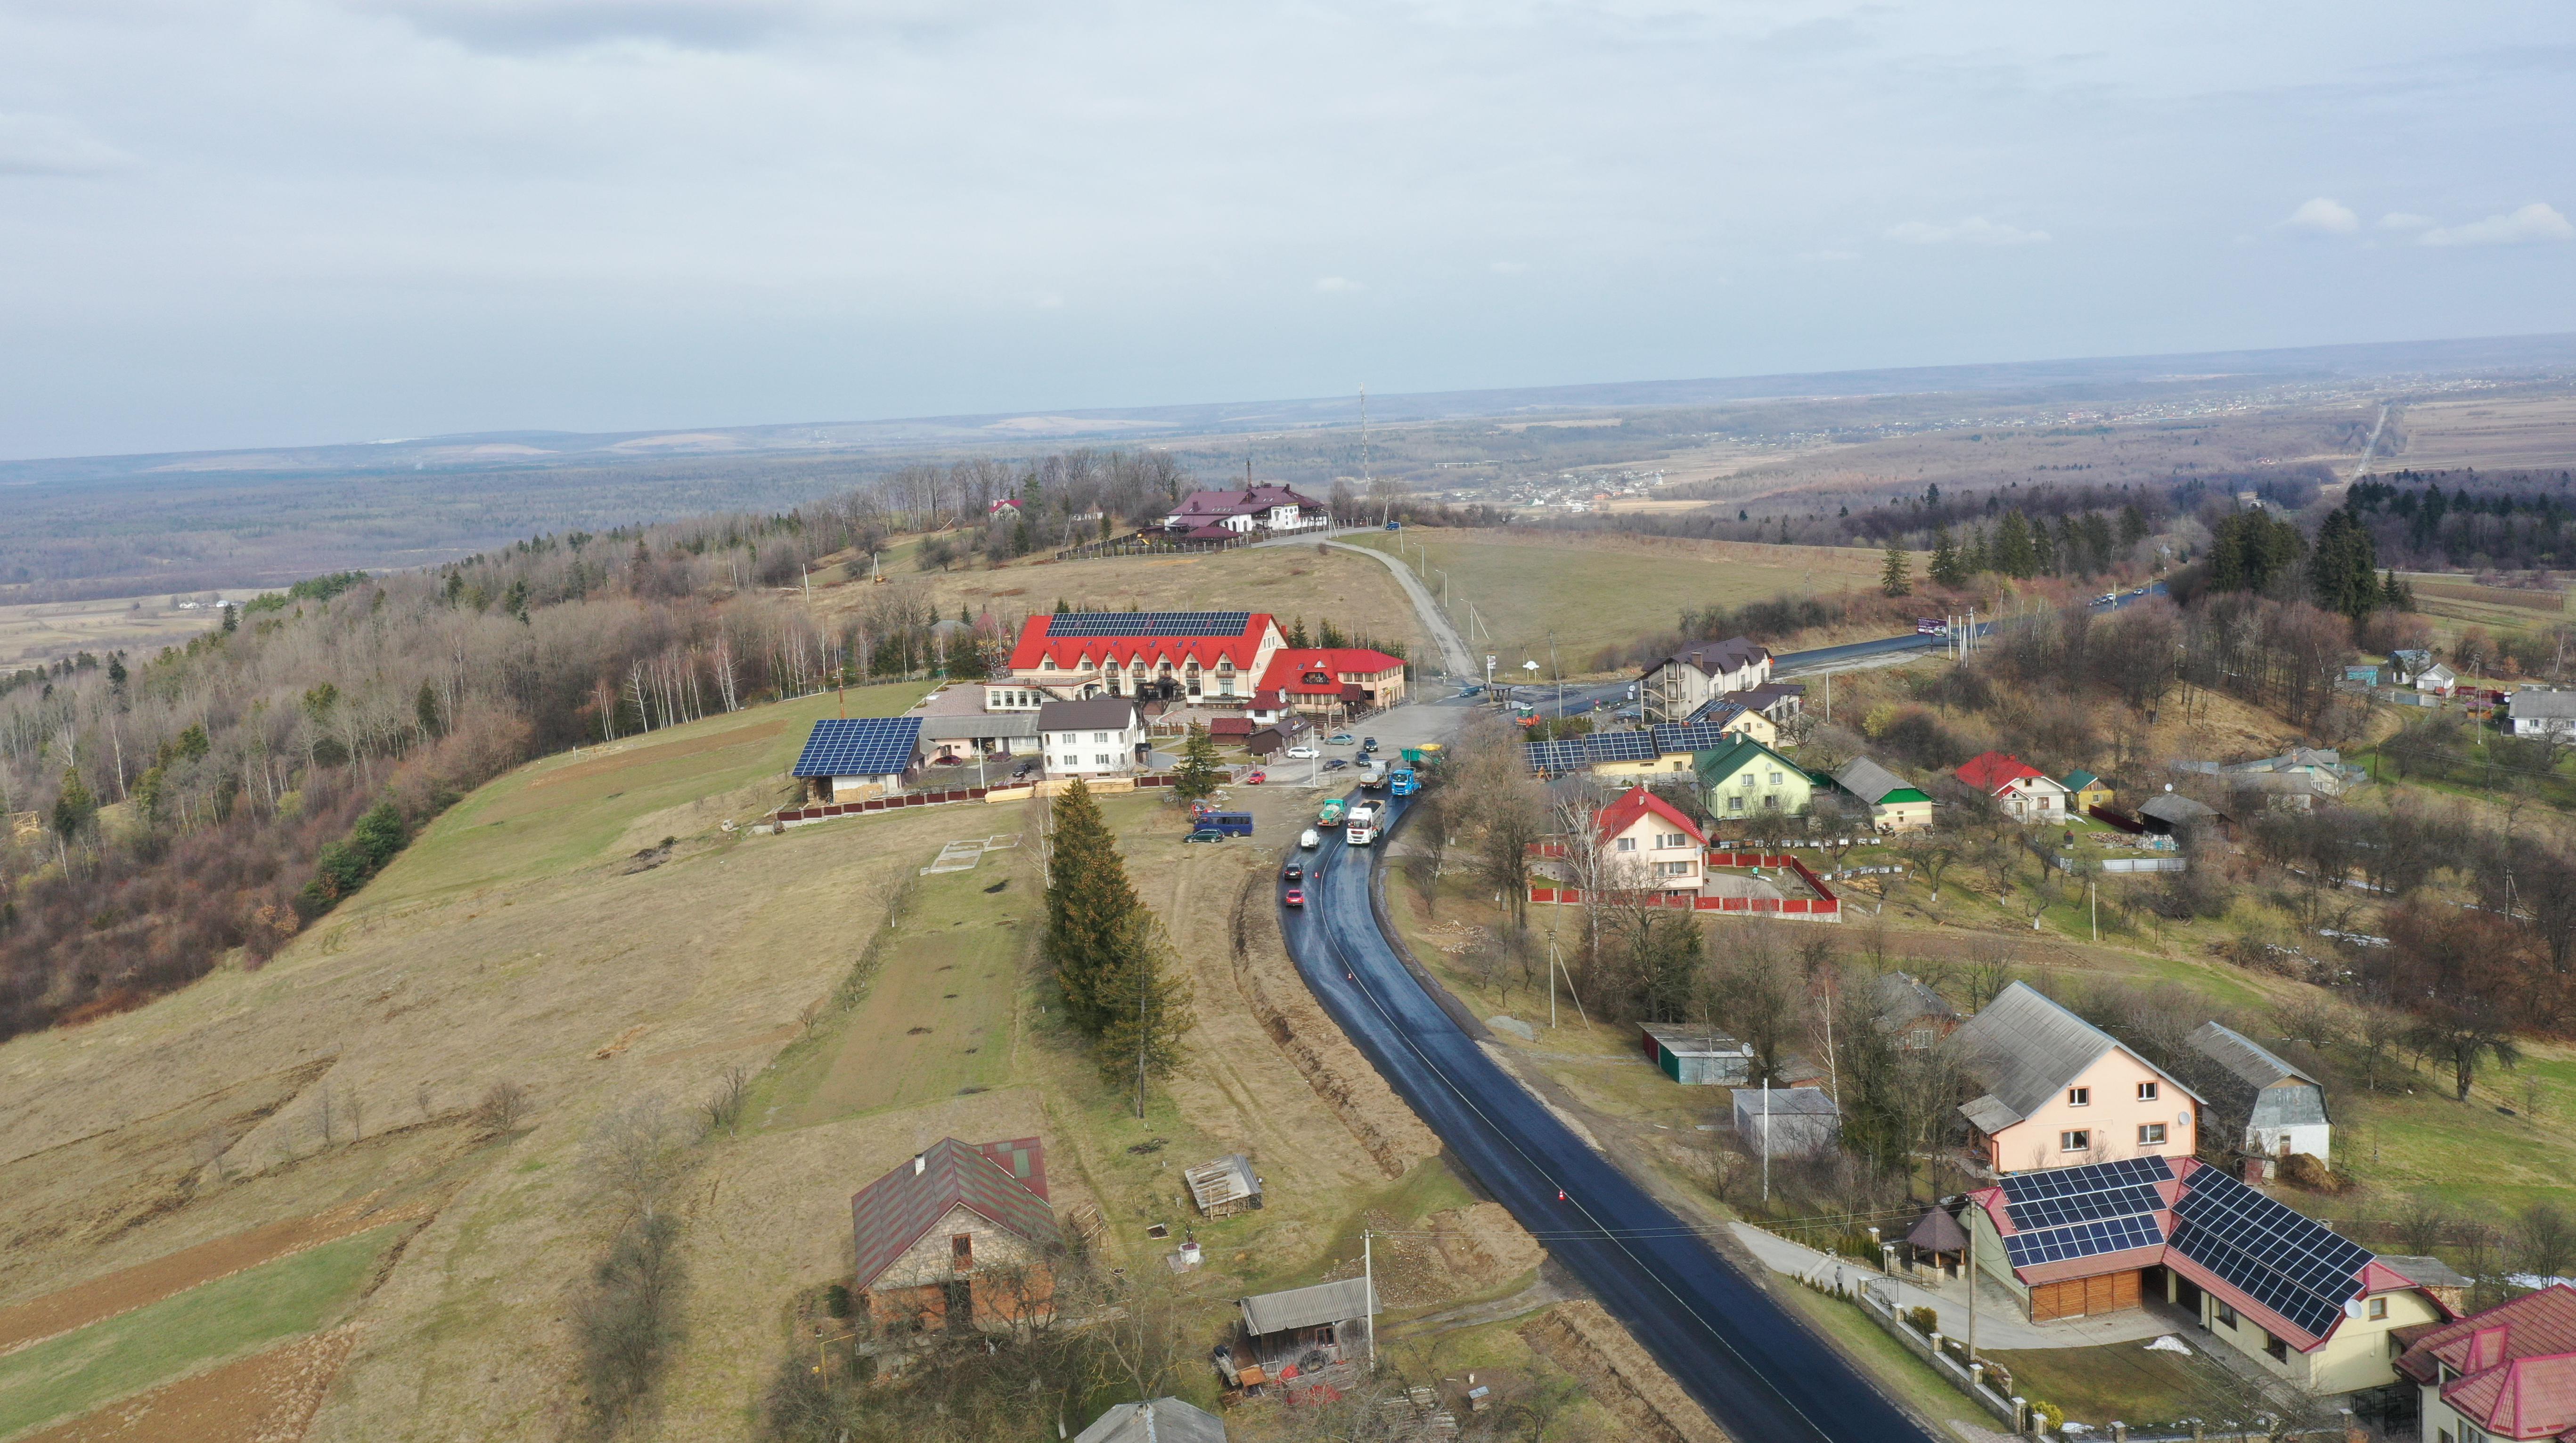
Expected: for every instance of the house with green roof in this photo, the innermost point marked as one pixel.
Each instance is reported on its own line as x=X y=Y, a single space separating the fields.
x=1749 y=778
x=2085 y=791
x=1895 y=804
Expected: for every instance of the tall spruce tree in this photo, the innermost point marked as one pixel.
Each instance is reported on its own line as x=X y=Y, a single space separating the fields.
x=2012 y=553
x=1896 y=578
x=1197 y=775
x=1979 y=558
x=1946 y=567
x=1146 y=1012
x=2343 y=571
x=1095 y=925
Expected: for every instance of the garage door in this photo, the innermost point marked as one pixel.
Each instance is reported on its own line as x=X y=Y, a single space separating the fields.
x=2081 y=1297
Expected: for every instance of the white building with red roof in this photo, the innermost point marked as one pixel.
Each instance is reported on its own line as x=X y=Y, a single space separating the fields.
x=2509 y=1372
x=1216 y=657
x=2025 y=793
x=1214 y=515
x=1647 y=845
x=1334 y=681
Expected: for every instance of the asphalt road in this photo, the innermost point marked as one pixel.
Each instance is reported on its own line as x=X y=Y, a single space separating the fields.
x=1760 y=1373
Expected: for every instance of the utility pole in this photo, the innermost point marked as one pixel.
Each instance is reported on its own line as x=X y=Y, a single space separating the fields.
x=1368 y=1270
x=1766 y=1139
x=1144 y=989
x=1970 y=1252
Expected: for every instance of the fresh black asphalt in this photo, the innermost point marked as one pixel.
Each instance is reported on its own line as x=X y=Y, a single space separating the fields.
x=1760 y=1373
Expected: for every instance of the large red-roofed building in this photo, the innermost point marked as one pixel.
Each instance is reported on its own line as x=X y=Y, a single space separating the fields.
x=2509 y=1372
x=1210 y=657
x=1335 y=681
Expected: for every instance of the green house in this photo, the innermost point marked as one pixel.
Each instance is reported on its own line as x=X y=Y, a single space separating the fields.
x=1748 y=777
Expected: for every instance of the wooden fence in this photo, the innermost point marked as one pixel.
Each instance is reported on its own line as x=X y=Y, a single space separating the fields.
x=824 y=812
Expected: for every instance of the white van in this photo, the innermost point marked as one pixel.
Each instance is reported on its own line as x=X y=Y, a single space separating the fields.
x=1308 y=840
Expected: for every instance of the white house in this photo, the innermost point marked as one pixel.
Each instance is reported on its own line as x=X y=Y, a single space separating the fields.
x=2289 y=1106
x=1650 y=846
x=2024 y=792
x=2540 y=712
x=1101 y=736
x=1682 y=683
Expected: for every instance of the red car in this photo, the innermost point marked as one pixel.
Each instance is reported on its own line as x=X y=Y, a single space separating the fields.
x=1295 y=897
x=1256 y=779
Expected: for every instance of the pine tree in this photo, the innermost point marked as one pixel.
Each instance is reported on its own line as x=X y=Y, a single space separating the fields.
x=232 y=618
x=2133 y=525
x=2012 y=554
x=1198 y=770
x=74 y=807
x=2043 y=550
x=1146 y=1012
x=1896 y=578
x=1978 y=560
x=1297 y=633
x=424 y=707
x=2395 y=595
x=1093 y=917
x=1329 y=635
x=1946 y=568
x=2341 y=570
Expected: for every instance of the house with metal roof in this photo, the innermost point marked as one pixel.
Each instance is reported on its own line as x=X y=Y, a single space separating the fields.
x=1696 y=1055
x=2024 y=792
x=1150 y=655
x=961 y=1236
x=1895 y=804
x=2168 y=813
x=2537 y=711
x=1786 y=1121
x=1247 y=509
x=1290 y=1330
x=1643 y=753
x=1647 y=845
x=1101 y=736
x=2509 y=1372
x=1335 y=681
x=1730 y=714
x=2289 y=1106
x=2304 y=1304
x=2061 y=1092
x=1912 y=1012
x=1156 y=1420
x=2084 y=791
x=1747 y=779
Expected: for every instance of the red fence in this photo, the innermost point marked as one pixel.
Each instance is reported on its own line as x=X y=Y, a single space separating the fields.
x=1826 y=908
x=2117 y=818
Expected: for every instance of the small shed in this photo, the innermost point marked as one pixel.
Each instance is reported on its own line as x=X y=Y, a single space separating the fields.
x=2172 y=812
x=2289 y=1113
x=1224 y=1187
x=1157 y=1420
x=1289 y=1329
x=1786 y=1121
x=1697 y=1055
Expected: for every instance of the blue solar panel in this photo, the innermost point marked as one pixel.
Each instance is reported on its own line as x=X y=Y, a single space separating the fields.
x=1675 y=737
x=863 y=746
x=2082 y=1240
x=1622 y=747
x=1149 y=623
x=2279 y=1257
x=2091 y=1177
x=1566 y=756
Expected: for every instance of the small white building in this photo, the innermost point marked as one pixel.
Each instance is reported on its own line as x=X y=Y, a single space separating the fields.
x=1101 y=736
x=2537 y=711
x=1786 y=1121
x=2289 y=1106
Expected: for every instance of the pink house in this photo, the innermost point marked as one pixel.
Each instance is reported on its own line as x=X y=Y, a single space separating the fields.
x=2061 y=1092
x=1650 y=846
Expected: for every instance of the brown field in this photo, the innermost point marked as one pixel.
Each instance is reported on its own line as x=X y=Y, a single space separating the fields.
x=47 y=631
x=2553 y=602
x=265 y=1398
x=2492 y=435
x=1287 y=581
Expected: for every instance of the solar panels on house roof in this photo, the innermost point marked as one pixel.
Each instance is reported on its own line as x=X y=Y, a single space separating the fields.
x=2082 y=1240
x=2049 y=1212
x=2091 y=1177
x=1622 y=747
x=865 y=746
x=1149 y=623
x=2287 y=1262
x=1566 y=756
x=1701 y=737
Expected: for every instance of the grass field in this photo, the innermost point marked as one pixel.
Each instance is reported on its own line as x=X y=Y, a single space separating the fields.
x=1594 y=592
x=2121 y=1382
x=46 y=631
x=82 y=1369
x=2490 y=434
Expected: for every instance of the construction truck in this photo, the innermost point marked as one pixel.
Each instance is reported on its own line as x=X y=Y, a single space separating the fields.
x=1403 y=783
x=1331 y=813
x=1373 y=774
x=1360 y=827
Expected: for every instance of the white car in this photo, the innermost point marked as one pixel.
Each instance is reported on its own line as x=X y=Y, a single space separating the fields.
x=1309 y=840
x=1303 y=754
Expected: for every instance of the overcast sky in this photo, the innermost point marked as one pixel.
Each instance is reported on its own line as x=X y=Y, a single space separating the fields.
x=289 y=221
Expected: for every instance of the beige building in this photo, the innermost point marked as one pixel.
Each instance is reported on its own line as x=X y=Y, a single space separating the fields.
x=2061 y=1092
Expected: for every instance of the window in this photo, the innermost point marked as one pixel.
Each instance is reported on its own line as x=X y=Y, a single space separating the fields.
x=2225 y=1315
x=2378 y=1309
x=2146 y=1092
x=2079 y=1097
x=1627 y=844
x=2075 y=1139
x=1672 y=869
x=1775 y=779
x=1671 y=839
x=2151 y=1134
x=1745 y=781
x=1735 y=806
x=1101 y=760
x=1771 y=800
x=962 y=1249
x=1100 y=736
x=2279 y=1350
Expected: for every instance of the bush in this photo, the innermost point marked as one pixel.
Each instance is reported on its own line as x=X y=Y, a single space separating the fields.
x=2300 y=1169
x=2051 y=1417
x=1923 y=1320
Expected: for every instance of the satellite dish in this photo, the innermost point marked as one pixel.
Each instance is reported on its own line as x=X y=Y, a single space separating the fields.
x=2169 y=786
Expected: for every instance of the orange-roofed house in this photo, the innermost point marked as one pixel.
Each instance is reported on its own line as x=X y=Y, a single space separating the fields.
x=2509 y=1372
x=1206 y=657
x=2025 y=793
x=1647 y=845
x=1335 y=681
x=959 y=1236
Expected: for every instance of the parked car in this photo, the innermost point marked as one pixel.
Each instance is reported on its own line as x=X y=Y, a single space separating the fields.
x=1468 y=691
x=1368 y=744
x=1629 y=713
x=1022 y=770
x=1295 y=897
x=1256 y=779
x=1340 y=739
x=1336 y=764
x=1310 y=839
x=1205 y=834
x=1294 y=873
x=1303 y=754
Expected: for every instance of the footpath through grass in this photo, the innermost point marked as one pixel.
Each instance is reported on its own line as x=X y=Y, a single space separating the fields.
x=110 y=1359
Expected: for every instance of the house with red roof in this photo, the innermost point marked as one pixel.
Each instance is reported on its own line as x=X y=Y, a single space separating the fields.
x=1202 y=657
x=1335 y=681
x=2304 y=1304
x=2024 y=792
x=2509 y=1372
x=1647 y=845
x=959 y=1237
x=1215 y=515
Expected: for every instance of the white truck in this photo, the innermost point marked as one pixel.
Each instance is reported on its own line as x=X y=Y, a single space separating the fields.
x=1359 y=828
x=1373 y=774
